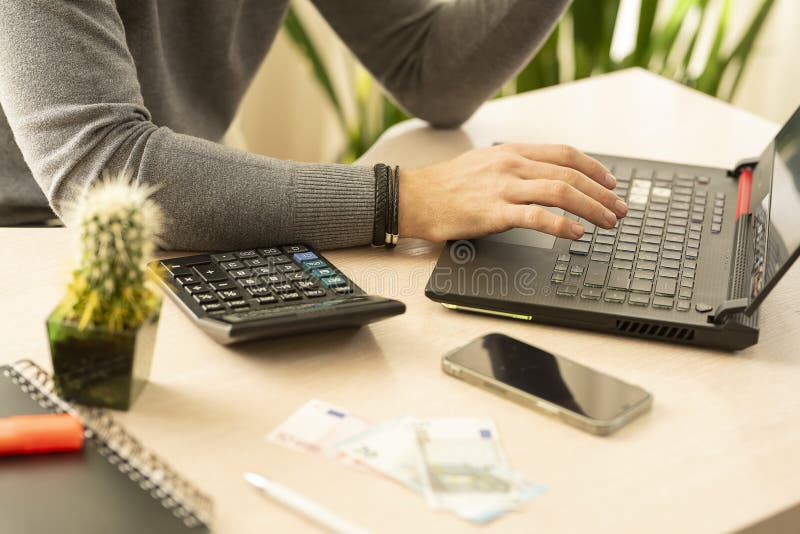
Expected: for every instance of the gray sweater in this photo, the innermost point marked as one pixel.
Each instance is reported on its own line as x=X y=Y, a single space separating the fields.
x=150 y=87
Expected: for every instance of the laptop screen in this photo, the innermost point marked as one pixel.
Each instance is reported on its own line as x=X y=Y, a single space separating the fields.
x=775 y=204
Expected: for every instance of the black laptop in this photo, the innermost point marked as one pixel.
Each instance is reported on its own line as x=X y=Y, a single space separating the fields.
x=685 y=265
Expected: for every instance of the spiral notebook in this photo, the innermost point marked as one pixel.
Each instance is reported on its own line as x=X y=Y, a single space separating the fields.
x=113 y=485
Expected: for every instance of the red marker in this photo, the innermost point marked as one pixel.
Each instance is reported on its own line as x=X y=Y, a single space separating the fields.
x=31 y=434
x=745 y=186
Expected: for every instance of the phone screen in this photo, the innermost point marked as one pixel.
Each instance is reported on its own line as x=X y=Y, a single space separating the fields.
x=557 y=380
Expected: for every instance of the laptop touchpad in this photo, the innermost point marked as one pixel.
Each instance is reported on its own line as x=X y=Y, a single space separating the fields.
x=525 y=237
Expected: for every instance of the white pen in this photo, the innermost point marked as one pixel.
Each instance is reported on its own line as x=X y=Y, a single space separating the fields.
x=301 y=505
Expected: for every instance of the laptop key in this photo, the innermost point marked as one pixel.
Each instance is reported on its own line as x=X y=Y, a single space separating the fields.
x=683 y=305
x=668 y=273
x=687 y=282
x=671 y=255
x=567 y=290
x=619 y=279
x=665 y=287
x=557 y=277
x=685 y=293
x=649 y=247
x=596 y=274
x=646 y=265
x=648 y=256
x=578 y=248
x=607 y=249
x=615 y=296
x=670 y=264
x=622 y=264
x=627 y=247
x=662 y=302
x=563 y=257
x=677 y=247
x=640 y=285
x=645 y=275
x=576 y=270
x=560 y=267
x=652 y=239
x=600 y=256
x=638 y=299
x=591 y=293
x=604 y=240
x=627 y=256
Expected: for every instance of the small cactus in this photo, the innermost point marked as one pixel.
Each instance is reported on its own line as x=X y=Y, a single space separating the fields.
x=116 y=223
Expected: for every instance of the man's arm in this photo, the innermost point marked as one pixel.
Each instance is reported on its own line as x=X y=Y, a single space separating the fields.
x=69 y=88
x=443 y=59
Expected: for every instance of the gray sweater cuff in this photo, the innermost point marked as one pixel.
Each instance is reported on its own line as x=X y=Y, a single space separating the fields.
x=334 y=205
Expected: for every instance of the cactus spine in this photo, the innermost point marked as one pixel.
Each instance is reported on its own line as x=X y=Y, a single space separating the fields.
x=116 y=223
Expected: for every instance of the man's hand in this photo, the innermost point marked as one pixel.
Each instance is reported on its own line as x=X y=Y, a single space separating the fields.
x=491 y=190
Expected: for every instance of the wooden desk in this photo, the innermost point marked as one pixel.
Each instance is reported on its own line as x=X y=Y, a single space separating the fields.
x=719 y=451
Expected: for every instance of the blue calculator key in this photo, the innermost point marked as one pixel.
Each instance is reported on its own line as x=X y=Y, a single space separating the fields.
x=319 y=273
x=314 y=264
x=300 y=257
x=333 y=281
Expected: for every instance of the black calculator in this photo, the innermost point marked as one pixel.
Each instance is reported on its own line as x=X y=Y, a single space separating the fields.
x=267 y=292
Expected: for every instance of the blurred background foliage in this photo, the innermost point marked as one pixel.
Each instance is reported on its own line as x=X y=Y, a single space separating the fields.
x=584 y=43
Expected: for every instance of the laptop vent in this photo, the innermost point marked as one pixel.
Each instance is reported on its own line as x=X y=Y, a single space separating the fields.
x=640 y=328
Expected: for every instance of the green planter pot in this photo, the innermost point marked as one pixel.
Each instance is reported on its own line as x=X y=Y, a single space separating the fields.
x=95 y=366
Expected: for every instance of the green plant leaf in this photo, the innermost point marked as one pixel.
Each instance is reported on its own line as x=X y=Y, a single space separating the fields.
x=664 y=40
x=644 y=51
x=709 y=80
x=741 y=53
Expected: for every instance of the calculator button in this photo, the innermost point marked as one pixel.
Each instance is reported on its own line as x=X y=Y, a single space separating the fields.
x=300 y=257
x=196 y=288
x=277 y=260
x=332 y=281
x=256 y=262
x=176 y=269
x=273 y=279
x=258 y=271
x=249 y=282
x=244 y=254
x=270 y=299
x=214 y=306
x=314 y=264
x=291 y=249
x=225 y=284
x=298 y=275
x=210 y=273
x=229 y=265
x=229 y=294
x=223 y=257
x=203 y=298
x=283 y=287
x=314 y=293
x=343 y=290
x=241 y=273
x=326 y=271
x=258 y=291
x=188 y=280
x=305 y=284
x=290 y=296
x=238 y=304
x=271 y=251
x=287 y=268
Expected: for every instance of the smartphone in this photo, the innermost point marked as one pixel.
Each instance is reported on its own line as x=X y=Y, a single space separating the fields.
x=576 y=394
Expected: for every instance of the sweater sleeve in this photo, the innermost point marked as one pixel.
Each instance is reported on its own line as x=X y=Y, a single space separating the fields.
x=69 y=88
x=442 y=59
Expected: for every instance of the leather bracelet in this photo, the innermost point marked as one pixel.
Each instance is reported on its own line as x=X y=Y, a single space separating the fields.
x=381 y=185
x=395 y=201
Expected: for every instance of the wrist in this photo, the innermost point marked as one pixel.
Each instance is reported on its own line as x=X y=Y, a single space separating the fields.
x=408 y=223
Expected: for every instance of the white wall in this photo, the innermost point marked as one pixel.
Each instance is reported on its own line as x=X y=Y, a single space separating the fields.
x=285 y=114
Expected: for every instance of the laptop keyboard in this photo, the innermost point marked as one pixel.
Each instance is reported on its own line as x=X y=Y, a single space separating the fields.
x=650 y=257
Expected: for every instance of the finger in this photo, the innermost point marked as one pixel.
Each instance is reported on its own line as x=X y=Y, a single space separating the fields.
x=538 y=218
x=566 y=156
x=538 y=170
x=562 y=195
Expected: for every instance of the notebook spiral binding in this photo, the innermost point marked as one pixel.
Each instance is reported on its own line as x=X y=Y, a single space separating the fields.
x=120 y=448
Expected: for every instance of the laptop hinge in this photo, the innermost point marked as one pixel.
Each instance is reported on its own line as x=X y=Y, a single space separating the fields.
x=738 y=279
x=741 y=165
x=728 y=308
